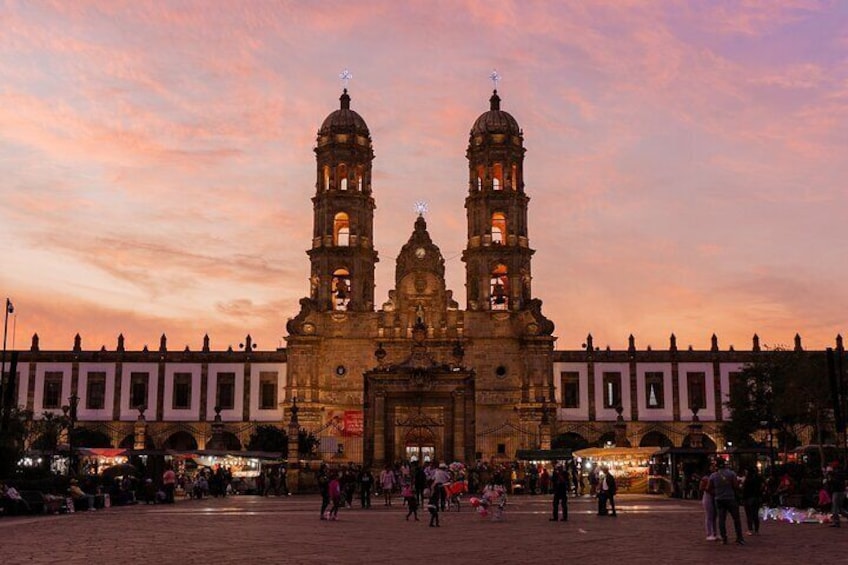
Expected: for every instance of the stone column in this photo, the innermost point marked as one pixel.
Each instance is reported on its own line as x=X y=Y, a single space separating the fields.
x=140 y=431
x=379 y=429
x=459 y=425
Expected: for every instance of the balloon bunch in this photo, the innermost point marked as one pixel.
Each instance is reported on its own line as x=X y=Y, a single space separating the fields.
x=794 y=515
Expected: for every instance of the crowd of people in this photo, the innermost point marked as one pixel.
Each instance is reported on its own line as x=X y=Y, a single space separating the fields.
x=722 y=493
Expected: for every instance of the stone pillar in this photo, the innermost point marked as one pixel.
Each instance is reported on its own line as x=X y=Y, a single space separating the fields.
x=293 y=458
x=458 y=425
x=379 y=430
x=545 y=429
x=620 y=429
x=140 y=431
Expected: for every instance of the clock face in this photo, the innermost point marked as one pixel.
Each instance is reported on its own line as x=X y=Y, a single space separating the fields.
x=340 y=370
x=420 y=253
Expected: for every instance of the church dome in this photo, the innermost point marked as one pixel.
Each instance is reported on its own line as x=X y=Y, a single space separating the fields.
x=344 y=120
x=495 y=120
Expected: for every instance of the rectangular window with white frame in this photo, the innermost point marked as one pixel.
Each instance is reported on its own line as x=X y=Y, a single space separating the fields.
x=52 y=397
x=696 y=387
x=654 y=393
x=225 y=396
x=95 y=391
x=612 y=389
x=139 y=383
x=268 y=390
x=182 y=391
x=570 y=389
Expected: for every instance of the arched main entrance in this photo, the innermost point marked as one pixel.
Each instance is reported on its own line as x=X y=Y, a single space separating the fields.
x=420 y=444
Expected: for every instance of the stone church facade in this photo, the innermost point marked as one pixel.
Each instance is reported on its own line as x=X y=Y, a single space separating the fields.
x=418 y=376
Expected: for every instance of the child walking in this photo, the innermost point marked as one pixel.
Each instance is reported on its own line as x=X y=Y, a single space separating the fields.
x=335 y=496
x=433 y=505
x=411 y=501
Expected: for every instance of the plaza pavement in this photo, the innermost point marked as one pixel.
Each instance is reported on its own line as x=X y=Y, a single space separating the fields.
x=250 y=529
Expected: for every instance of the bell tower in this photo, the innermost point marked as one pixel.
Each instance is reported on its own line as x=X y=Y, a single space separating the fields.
x=497 y=255
x=342 y=256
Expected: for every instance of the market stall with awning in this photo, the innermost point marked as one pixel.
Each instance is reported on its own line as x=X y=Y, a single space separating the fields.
x=629 y=465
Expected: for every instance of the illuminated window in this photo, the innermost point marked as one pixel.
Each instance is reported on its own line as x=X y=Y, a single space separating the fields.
x=341 y=289
x=654 y=397
x=341 y=175
x=612 y=390
x=514 y=176
x=497 y=176
x=498 y=228
x=359 y=181
x=341 y=230
x=499 y=288
x=326 y=177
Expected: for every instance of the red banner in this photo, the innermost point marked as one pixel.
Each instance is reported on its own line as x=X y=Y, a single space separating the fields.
x=354 y=423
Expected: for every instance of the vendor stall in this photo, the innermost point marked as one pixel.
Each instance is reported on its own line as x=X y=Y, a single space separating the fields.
x=629 y=465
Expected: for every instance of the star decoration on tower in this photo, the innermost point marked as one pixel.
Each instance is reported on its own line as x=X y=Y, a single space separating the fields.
x=495 y=78
x=345 y=76
x=420 y=207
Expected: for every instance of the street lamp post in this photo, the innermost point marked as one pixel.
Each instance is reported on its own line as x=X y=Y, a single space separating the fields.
x=4 y=382
x=73 y=402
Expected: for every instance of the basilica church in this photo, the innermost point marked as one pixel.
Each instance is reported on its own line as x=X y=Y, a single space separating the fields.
x=420 y=373
x=426 y=373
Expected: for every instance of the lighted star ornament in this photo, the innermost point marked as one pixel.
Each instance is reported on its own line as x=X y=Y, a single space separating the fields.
x=420 y=207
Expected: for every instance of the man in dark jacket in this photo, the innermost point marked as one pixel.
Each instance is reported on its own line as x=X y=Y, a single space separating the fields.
x=836 y=490
x=560 y=487
x=606 y=492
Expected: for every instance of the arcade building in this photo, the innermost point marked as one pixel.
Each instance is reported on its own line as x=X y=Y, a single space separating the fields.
x=420 y=375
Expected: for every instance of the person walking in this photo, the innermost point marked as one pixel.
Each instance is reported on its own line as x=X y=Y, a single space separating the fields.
x=335 y=491
x=433 y=506
x=387 y=484
x=560 y=488
x=708 y=502
x=169 y=484
x=324 y=489
x=836 y=490
x=752 y=492
x=366 y=480
x=408 y=493
x=724 y=485
x=606 y=492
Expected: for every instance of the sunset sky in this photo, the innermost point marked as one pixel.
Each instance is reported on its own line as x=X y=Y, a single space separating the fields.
x=686 y=161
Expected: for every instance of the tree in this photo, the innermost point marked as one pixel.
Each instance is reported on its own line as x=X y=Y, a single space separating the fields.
x=783 y=393
x=13 y=440
x=272 y=439
x=268 y=438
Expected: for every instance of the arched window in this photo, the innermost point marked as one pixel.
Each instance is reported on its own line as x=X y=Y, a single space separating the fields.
x=359 y=181
x=497 y=176
x=499 y=288
x=341 y=289
x=341 y=230
x=326 y=177
x=341 y=176
x=514 y=176
x=498 y=228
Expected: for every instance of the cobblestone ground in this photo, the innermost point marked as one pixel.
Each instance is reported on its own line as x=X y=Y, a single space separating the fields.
x=287 y=530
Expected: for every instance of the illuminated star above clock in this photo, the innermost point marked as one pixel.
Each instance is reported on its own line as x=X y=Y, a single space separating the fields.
x=420 y=207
